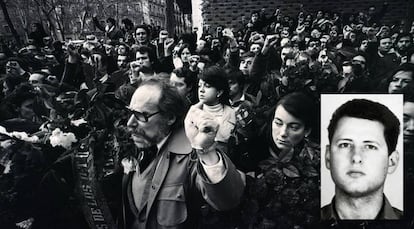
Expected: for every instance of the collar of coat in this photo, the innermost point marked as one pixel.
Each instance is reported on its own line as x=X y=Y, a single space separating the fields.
x=178 y=143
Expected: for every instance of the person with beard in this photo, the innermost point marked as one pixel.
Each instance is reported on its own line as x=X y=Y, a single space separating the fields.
x=173 y=171
x=145 y=59
x=362 y=150
x=313 y=48
x=120 y=76
x=403 y=44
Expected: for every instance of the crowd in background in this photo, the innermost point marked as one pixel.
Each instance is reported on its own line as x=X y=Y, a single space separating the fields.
x=58 y=95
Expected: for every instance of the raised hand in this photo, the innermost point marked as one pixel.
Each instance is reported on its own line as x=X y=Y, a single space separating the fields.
x=201 y=128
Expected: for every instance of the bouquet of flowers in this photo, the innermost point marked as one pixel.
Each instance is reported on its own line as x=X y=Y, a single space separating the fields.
x=285 y=192
x=28 y=160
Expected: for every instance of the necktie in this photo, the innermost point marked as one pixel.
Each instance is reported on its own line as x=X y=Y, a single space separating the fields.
x=145 y=156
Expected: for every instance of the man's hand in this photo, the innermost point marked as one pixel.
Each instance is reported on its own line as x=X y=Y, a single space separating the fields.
x=200 y=127
x=228 y=33
x=194 y=59
x=168 y=46
x=270 y=41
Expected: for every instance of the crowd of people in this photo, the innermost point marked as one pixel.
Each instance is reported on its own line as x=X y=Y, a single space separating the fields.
x=145 y=129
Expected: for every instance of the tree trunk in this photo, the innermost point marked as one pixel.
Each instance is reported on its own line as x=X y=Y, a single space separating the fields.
x=60 y=23
x=9 y=22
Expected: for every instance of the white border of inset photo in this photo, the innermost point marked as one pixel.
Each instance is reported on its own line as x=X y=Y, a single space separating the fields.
x=394 y=182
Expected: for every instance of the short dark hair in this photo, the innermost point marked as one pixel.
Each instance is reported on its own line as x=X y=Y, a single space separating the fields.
x=216 y=77
x=235 y=75
x=189 y=78
x=146 y=49
x=125 y=45
x=185 y=46
x=171 y=103
x=300 y=106
x=128 y=23
x=104 y=59
x=247 y=55
x=408 y=92
x=23 y=64
x=255 y=12
x=401 y=35
x=144 y=27
x=370 y=110
x=383 y=37
x=405 y=67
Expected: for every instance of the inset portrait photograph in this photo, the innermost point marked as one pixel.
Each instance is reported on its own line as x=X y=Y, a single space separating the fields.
x=362 y=157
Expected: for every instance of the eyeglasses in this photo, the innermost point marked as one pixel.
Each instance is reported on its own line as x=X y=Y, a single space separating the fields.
x=358 y=61
x=142 y=116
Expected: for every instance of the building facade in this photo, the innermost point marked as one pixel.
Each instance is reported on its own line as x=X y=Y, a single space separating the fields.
x=74 y=17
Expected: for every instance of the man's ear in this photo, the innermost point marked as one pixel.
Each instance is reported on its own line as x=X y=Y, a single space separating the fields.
x=393 y=160
x=328 y=157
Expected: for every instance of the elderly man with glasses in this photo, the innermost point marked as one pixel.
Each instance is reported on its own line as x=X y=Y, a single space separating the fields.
x=172 y=171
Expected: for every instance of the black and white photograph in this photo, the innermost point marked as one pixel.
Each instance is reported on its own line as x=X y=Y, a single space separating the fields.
x=362 y=158
x=196 y=114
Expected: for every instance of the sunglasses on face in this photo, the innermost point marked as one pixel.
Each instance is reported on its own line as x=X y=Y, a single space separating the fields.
x=142 y=116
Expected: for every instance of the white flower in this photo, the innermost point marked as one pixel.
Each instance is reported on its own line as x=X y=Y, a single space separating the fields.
x=19 y=135
x=24 y=136
x=25 y=224
x=129 y=164
x=3 y=130
x=78 y=122
x=59 y=138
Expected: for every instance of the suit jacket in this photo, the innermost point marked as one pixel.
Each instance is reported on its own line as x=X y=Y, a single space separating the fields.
x=176 y=188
